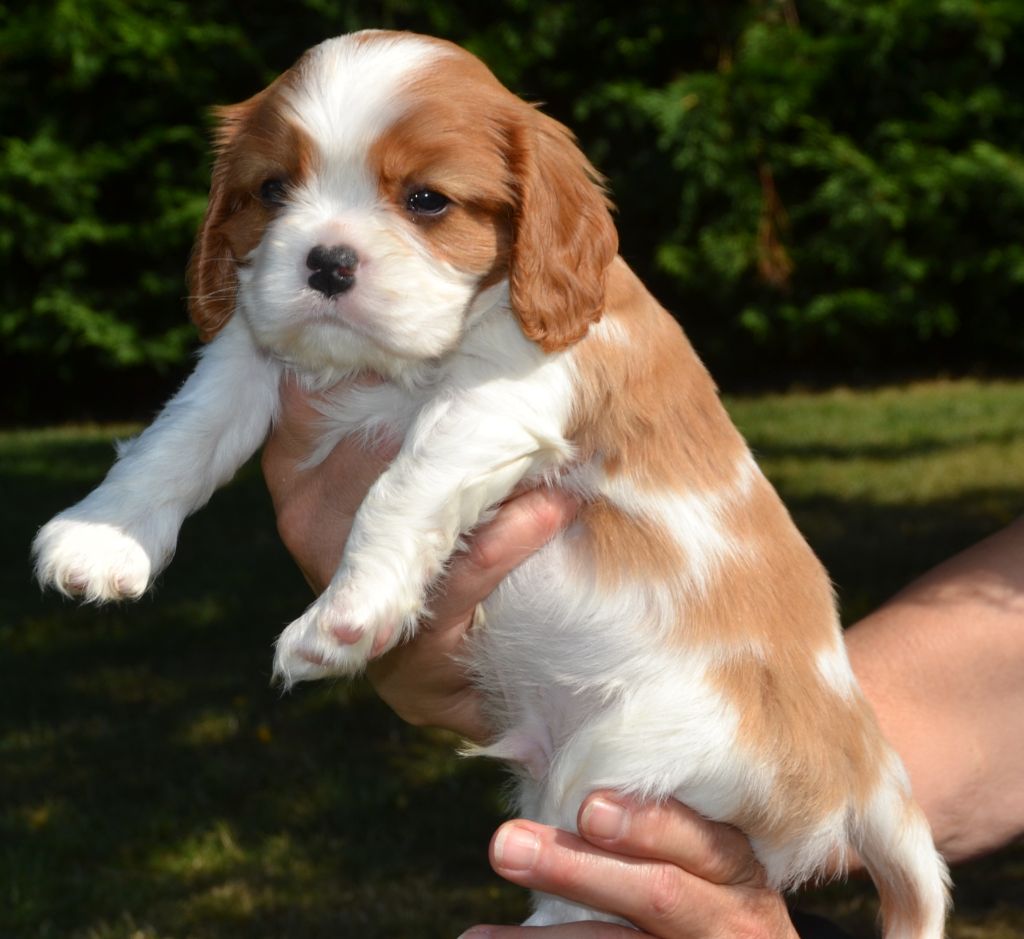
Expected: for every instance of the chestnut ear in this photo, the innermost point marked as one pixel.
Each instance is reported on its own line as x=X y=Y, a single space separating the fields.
x=563 y=240
x=212 y=280
x=212 y=269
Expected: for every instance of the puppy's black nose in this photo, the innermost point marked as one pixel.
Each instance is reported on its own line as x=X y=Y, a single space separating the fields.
x=334 y=269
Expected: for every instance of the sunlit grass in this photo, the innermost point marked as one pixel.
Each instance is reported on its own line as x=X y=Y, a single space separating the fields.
x=897 y=446
x=154 y=786
x=889 y=481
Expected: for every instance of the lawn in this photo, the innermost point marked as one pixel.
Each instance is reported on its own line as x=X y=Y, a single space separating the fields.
x=154 y=786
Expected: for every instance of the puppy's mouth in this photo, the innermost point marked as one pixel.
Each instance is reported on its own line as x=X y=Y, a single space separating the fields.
x=339 y=318
x=336 y=311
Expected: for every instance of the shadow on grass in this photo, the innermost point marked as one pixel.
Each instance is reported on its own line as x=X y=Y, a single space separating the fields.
x=154 y=784
x=873 y=550
x=880 y=450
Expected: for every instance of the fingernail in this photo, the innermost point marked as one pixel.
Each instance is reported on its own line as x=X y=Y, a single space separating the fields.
x=516 y=848
x=604 y=819
x=477 y=932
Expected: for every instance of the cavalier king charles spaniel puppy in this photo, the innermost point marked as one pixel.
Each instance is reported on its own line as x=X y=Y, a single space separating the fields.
x=387 y=206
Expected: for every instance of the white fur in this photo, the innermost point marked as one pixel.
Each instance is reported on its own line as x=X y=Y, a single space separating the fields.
x=694 y=518
x=576 y=675
x=352 y=92
x=493 y=417
x=113 y=543
x=606 y=703
x=833 y=666
x=895 y=844
x=407 y=305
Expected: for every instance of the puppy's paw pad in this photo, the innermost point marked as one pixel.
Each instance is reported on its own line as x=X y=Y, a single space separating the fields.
x=349 y=616
x=329 y=639
x=308 y=649
x=349 y=635
x=92 y=561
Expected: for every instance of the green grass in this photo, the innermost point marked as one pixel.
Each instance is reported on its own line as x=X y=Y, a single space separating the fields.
x=886 y=483
x=154 y=786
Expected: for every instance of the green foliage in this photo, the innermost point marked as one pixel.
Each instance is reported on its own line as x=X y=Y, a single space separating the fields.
x=104 y=170
x=816 y=184
x=855 y=181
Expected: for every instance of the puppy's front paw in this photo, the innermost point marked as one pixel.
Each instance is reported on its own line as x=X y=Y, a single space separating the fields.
x=93 y=561
x=337 y=635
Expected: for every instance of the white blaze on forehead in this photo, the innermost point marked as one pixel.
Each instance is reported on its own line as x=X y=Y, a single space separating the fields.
x=349 y=92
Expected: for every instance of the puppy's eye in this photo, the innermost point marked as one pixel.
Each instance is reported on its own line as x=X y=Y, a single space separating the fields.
x=427 y=202
x=273 y=192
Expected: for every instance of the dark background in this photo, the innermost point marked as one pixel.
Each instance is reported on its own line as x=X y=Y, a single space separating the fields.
x=821 y=190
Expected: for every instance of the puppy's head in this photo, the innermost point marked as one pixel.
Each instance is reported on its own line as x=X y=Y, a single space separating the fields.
x=381 y=193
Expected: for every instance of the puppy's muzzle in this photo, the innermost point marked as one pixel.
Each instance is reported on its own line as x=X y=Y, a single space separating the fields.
x=334 y=269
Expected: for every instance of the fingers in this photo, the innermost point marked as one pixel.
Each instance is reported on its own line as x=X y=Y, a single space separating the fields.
x=659 y=896
x=423 y=680
x=522 y=526
x=315 y=506
x=299 y=420
x=669 y=831
x=295 y=428
x=556 y=862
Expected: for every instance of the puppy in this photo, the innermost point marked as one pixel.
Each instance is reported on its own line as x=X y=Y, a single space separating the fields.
x=387 y=206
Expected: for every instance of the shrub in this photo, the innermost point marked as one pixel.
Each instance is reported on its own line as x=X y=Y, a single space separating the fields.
x=816 y=185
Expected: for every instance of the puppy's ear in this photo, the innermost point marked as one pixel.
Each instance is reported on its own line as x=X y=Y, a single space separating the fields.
x=212 y=274
x=212 y=268
x=563 y=239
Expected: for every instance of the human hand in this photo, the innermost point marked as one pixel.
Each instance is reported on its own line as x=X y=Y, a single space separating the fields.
x=672 y=873
x=419 y=680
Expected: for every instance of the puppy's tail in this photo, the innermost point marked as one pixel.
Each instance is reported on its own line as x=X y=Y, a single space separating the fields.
x=893 y=839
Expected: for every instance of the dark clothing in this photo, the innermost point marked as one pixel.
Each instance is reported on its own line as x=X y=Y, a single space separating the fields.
x=814 y=927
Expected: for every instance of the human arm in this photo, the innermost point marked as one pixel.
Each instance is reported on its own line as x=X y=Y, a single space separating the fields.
x=942 y=664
